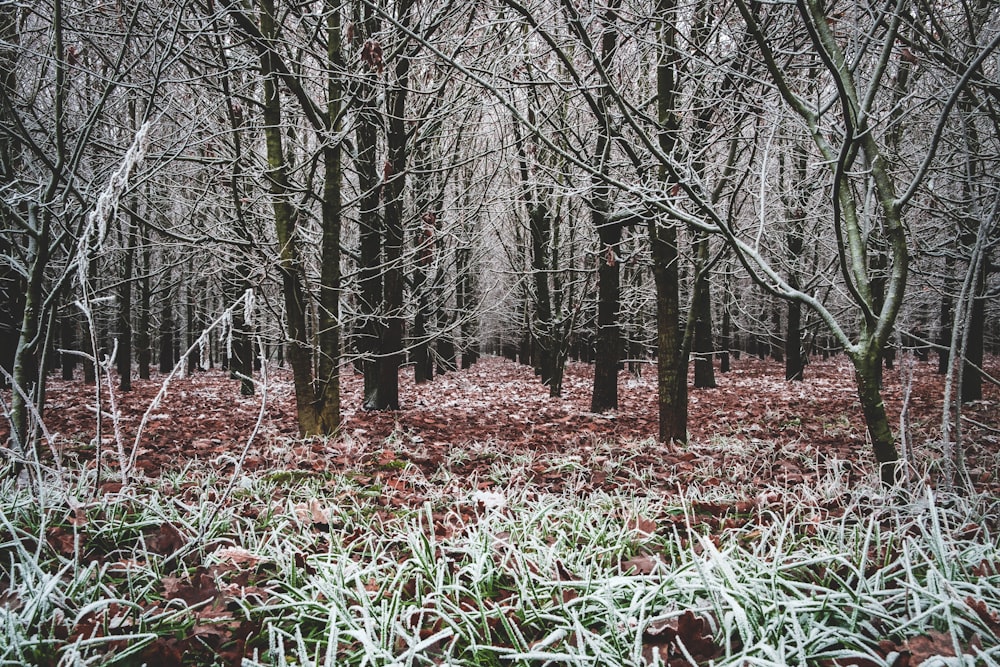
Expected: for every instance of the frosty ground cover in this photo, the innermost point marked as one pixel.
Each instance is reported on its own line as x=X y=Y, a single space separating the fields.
x=564 y=538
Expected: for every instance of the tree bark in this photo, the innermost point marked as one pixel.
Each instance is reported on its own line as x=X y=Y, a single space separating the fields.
x=671 y=362
x=391 y=352
x=370 y=272
x=701 y=308
x=124 y=355
x=607 y=355
x=285 y=225
x=142 y=334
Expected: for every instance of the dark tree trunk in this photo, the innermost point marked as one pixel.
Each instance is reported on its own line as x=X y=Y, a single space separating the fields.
x=464 y=302
x=704 y=371
x=193 y=318
x=392 y=335
x=725 y=335
x=370 y=273
x=972 y=377
x=538 y=217
x=327 y=394
x=68 y=341
x=671 y=362
x=607 y=355
x=124 y=356
x=142 y=335
x=423 y=366
x=167 y=358
x=947 y=315
x=608 y=348
x=794 y=360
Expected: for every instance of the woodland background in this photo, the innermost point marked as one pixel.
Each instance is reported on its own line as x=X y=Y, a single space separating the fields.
x=415 y=183
x=499 y=332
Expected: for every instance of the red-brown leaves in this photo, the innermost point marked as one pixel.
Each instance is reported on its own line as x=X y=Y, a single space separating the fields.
x=683 y=641
x=166 y=540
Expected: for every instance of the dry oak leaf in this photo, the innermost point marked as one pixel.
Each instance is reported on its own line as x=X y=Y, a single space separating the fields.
x=166 y=540
x=313 y=512
x=688 y=631
x=990 y=618
x=238 y=556
x=641 y=564
x=200 y=588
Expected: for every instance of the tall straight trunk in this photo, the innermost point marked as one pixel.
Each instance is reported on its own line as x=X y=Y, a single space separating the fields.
x=794 y=361
x=540 y=226
x=241 y=353
x=241 y=358
x=703 y=346
x=366 y=157
x=671 y=363
x=972 y=376
x=725 y=334
x=608 y=348
x=142 y=335
x=608 y=345
x=946 y=315
x=391 y=356
x=444 y=346
x=192 y=322
x=297 y=346
x=124 y=357
x=166 y=334
x=794 y=169
x=67 y=341
x=423 y=365
x=328 y=390
x=464 y=301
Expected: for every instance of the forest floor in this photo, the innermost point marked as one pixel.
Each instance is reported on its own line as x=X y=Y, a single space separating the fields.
x=754 y=428
x=487 y=523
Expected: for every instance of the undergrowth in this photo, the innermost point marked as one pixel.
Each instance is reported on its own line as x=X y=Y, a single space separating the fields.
x=387 y=567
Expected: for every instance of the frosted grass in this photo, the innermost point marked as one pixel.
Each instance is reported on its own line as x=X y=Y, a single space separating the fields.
x=515 y=576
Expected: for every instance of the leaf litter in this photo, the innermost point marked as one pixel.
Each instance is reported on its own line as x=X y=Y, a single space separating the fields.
x=476 y=445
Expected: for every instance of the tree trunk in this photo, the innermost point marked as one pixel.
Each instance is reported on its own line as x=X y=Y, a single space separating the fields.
x=67 y=341
x=464 y=301
x=167 y=326
x=794 y=361
x=671 y=363
x=396 y=139
x=947 y=315
x=25 y=368
x=423 y=365
x=703 y=347
x=540 y=225
x=327 y=399
x=124 y=356
x=285 y=224
x=725 y=332
x=370 y=271
x=193 y=319
x=868 y=373
x=142 y=335
x=972 y=377
x=608 y=349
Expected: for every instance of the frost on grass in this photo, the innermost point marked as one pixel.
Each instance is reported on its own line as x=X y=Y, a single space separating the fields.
x=324 y=569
